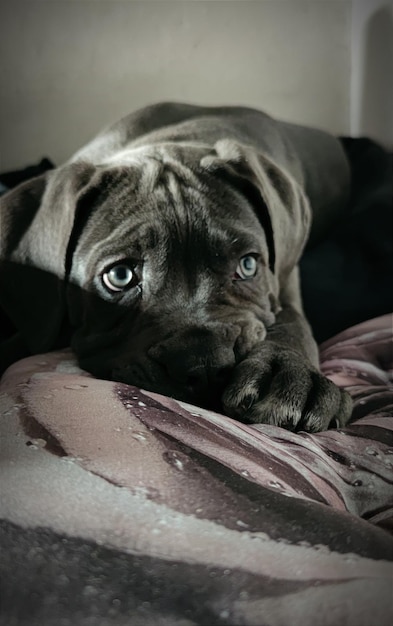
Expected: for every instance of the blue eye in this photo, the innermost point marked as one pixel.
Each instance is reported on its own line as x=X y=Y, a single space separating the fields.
x=119 y=277
x=247 y=267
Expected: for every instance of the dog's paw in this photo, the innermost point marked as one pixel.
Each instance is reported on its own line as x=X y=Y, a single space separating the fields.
x=280 y=387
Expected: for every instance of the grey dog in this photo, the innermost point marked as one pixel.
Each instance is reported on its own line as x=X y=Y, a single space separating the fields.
x=166 y=252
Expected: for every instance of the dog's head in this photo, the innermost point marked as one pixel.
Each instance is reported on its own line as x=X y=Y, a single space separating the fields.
x=166 y=263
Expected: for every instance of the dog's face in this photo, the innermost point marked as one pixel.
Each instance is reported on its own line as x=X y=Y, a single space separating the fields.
x=171 y=279
x=172 y=258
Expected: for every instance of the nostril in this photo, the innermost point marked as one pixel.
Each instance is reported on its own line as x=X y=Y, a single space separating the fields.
x=197 y=381
x=204 y=378
x=198 y=370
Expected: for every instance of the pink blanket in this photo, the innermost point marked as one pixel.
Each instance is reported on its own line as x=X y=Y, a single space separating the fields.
x=120 y=506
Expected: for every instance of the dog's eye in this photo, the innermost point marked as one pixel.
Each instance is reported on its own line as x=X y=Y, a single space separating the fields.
x=247 y=268
x=119 y=277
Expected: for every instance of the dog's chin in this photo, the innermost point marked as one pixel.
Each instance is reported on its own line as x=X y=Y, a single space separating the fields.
x=209 y=399
x=95 y=368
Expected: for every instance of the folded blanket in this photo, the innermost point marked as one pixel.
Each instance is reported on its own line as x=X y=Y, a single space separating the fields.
x=120 y=506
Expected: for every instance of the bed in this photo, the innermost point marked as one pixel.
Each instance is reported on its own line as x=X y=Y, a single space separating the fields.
x=122 y=507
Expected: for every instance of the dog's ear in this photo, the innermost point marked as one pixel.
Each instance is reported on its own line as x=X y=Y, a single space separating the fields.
x=277 y=198
x=36 y=220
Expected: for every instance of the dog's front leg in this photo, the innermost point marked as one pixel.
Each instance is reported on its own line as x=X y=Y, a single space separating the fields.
x=279 y=382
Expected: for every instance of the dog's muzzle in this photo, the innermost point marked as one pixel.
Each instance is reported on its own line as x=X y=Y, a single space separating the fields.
x=199 y=360
x=194 y=364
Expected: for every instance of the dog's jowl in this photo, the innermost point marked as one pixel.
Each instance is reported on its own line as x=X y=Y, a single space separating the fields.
x=165 y=252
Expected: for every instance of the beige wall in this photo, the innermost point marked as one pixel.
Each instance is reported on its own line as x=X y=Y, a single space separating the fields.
x=70 y=67
x=372 y=69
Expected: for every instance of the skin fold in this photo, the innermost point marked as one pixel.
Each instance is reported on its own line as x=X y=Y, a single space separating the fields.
x=166 y=253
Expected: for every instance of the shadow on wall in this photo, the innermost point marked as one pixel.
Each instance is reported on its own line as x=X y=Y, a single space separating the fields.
x=377 y=96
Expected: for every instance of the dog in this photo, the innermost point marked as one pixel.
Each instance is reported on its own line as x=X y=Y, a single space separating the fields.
x=166 y=253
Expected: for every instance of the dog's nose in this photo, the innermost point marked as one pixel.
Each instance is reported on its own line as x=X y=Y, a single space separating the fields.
x=199 y=380
x=200 y=362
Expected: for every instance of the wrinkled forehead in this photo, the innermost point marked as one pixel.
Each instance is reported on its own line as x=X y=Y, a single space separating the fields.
x=158 y=200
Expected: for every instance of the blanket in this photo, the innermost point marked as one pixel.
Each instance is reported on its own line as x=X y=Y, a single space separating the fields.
x=123 y=507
